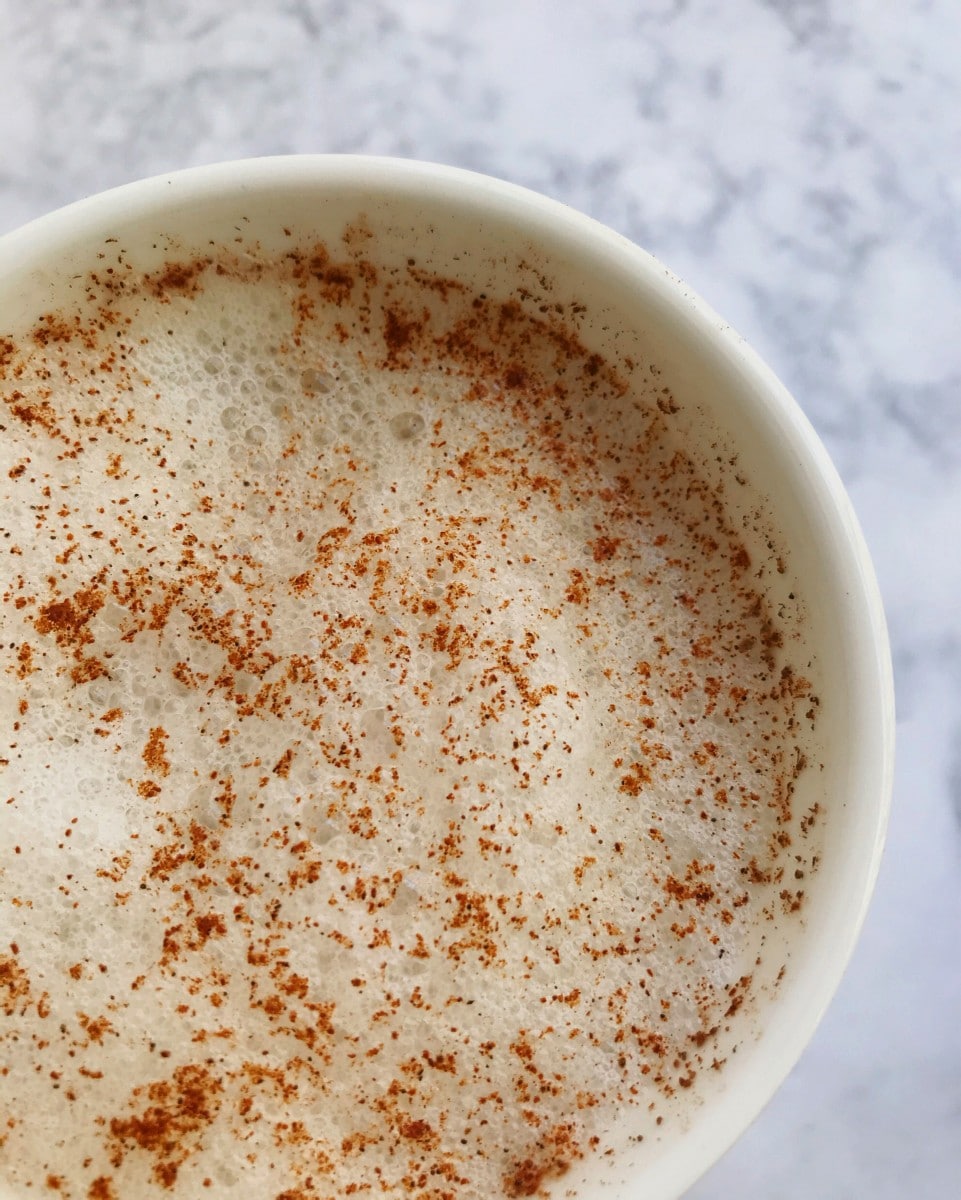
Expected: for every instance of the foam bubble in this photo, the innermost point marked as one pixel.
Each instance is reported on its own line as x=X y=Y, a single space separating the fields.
x=407 y=425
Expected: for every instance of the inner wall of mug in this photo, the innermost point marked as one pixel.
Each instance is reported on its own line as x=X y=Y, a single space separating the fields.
x=514 y=245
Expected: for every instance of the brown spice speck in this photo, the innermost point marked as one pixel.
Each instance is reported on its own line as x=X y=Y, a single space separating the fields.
x=102 y=1189
x=171 y=1126
x=154 y=752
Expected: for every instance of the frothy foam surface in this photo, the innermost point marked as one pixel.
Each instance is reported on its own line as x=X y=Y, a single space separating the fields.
x=399 y=753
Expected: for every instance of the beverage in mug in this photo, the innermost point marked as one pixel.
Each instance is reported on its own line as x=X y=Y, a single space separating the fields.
x=421 y=734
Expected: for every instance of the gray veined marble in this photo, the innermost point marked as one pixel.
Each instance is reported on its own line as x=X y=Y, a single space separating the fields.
x=799 y=163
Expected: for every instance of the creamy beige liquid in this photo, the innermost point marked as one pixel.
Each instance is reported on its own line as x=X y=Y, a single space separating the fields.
x=397 y=758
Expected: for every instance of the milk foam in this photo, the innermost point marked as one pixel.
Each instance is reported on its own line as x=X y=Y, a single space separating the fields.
x=400 y=757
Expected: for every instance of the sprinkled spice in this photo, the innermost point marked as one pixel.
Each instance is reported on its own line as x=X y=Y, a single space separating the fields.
x=399 y=744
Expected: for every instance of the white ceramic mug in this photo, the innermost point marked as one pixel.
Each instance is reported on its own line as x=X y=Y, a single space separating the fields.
x=502 y=239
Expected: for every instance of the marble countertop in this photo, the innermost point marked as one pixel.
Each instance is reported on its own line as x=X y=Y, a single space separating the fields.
x=798 y=162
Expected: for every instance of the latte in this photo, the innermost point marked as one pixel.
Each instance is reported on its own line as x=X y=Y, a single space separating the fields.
x=399 y=740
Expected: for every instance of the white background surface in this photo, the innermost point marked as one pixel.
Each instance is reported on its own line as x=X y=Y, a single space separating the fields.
x=798 y=162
